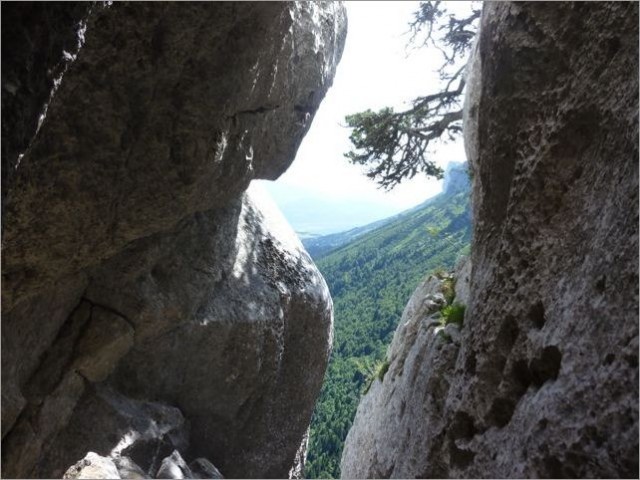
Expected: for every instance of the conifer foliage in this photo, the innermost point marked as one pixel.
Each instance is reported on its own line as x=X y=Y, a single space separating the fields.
x=395 y=145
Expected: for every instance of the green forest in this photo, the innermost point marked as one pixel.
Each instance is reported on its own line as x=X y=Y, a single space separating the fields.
x=371 y=279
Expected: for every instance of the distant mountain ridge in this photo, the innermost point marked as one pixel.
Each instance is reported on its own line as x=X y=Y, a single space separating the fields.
x=319 y=245
x=313 y=214
x=456 y=179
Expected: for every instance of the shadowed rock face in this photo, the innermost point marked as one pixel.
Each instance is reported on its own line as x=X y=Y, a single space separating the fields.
x=34 y=35
x=132 y=258
x=167 y=110
x=545 y=381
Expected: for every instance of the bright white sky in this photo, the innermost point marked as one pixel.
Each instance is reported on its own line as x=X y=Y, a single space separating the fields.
x=376 y=70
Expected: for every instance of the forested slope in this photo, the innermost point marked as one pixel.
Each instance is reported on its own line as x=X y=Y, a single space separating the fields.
x=370 y=280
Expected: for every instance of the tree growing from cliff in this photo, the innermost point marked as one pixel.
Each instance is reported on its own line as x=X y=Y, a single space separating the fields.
x=396 y=144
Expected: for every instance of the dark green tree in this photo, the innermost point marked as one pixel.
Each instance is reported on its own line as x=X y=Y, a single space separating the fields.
x=395 y=145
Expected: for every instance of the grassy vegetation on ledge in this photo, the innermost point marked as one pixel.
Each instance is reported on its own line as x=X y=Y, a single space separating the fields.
x=377 y=372
x=453 y=313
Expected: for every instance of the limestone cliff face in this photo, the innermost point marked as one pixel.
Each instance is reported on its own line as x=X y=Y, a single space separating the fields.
x=388 y=435
x=138 y=276
x=544 y=382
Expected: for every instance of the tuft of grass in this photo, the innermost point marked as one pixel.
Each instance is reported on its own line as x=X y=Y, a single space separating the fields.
x=377 y=371
x=453 y=313
x=439 y=273
x=382 y=369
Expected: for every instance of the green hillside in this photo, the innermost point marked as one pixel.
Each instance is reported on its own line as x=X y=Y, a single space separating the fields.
x=371 y=278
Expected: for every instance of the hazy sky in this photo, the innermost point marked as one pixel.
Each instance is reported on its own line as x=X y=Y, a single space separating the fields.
x=376 y=70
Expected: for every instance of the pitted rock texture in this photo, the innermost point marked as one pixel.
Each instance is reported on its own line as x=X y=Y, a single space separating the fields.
x=133 y=260
x=545 y=381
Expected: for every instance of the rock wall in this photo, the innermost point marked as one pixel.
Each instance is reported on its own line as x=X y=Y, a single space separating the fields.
x=387 y=438
x=133 y=261
x=166 y=111
x=34 y=37
x=545 y=380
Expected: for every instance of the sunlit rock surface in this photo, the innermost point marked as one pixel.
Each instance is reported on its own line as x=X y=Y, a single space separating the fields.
x=387 y=436
x=93 y=466
x=545 y=380
x=172 y=466
x=133 y=261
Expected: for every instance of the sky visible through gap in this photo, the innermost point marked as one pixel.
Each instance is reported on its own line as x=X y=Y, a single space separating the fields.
x=321 y=192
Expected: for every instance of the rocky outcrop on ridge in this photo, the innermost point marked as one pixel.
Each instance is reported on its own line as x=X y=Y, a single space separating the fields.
x=149 y=304
x=385 y=423
x=456 y=177
x=544 y=382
